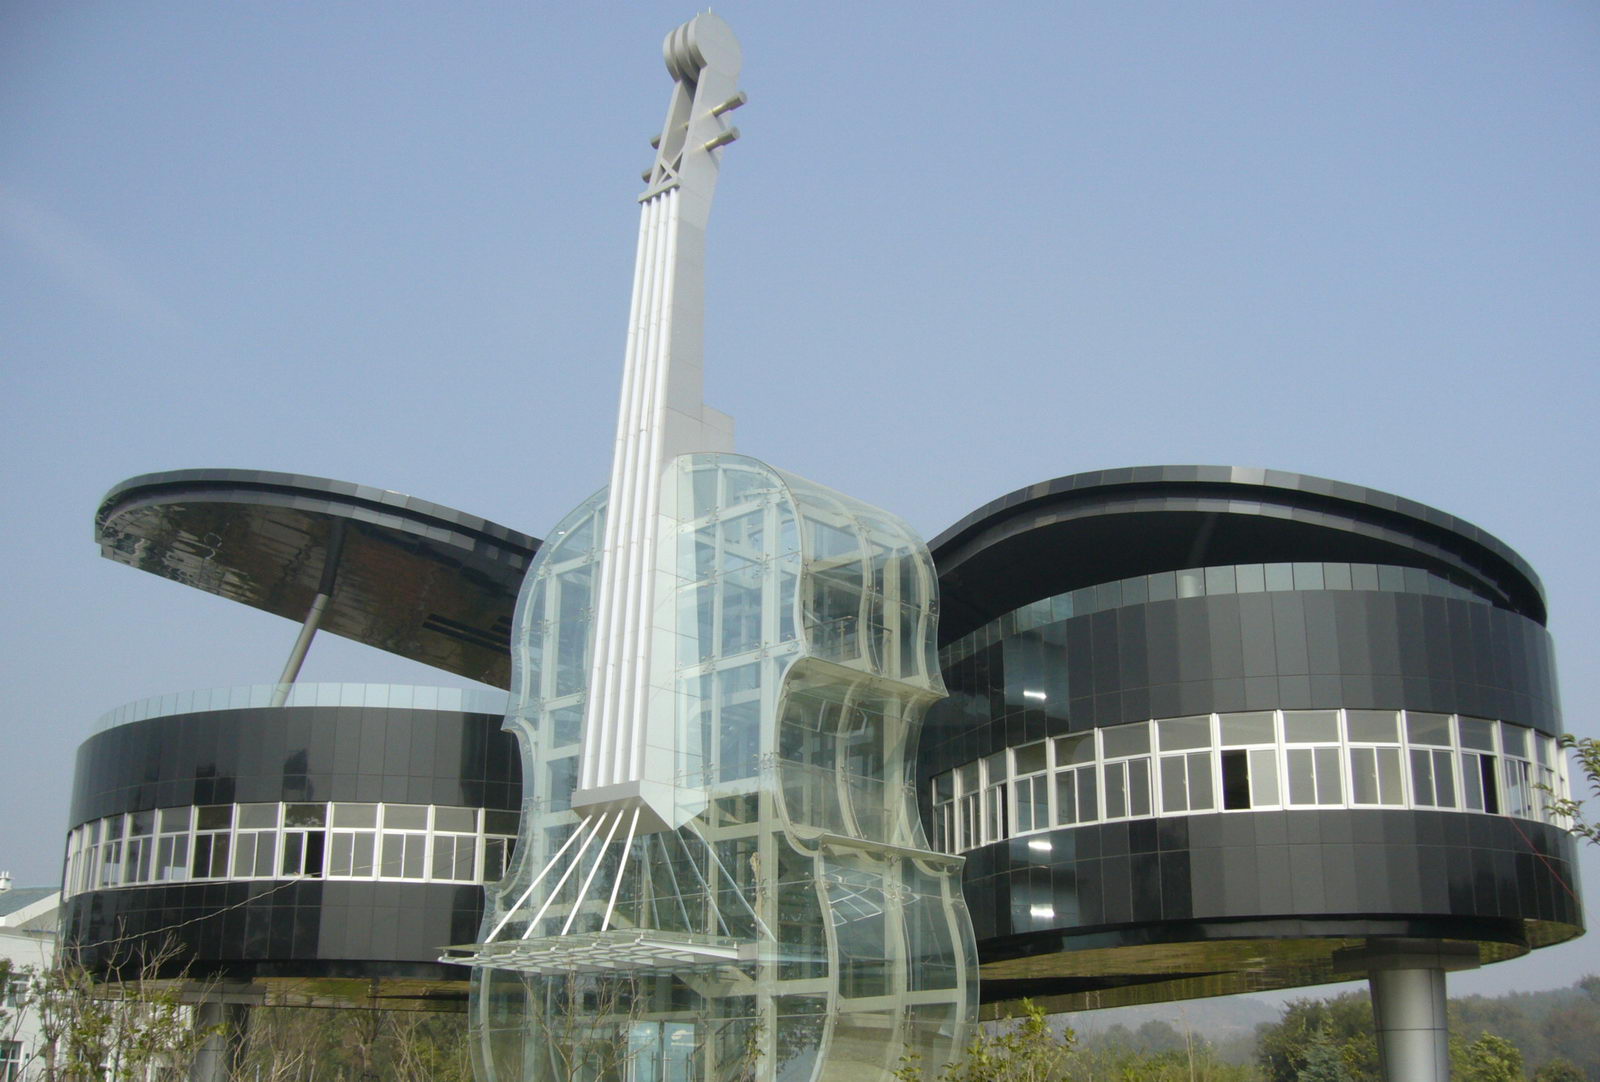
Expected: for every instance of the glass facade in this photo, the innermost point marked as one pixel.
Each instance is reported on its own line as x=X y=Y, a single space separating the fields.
x=796 y=925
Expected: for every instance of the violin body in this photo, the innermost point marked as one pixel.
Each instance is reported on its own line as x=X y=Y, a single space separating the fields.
x=773 y=910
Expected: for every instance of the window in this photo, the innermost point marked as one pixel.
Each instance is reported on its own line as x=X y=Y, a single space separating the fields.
x=944 y=812
x=141 y=828
x=1031 y=795
x=1374 y=739
x=10 y=1061
x=304 y=839
x=1517 y=770
x=968 y=799
x=353 y=841
x=110 y=852
x=455 y=845
x=255 y=844
x=1315 y=777
x=1186 y=784
x=1126 y=774
x=213 y=825
x=405 y=841
x=499 y=842
x=995 y=827
x=172 y=844
x=1249 y=760
x=1433 y=781
x=1077 y=799
x=1480 y=786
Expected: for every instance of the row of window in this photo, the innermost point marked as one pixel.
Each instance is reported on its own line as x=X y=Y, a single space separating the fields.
x=414 y=842
x=10 y=1061
x=1205 y=582
x=1264 y=759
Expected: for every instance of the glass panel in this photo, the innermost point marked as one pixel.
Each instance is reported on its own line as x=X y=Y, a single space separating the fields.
x=1514 y=740
x=1088 y=797
x=1030 y=759
x=1138 y=786
x=1253 y=728
x=1174 y=789
x=257 y=815
x=1264 y=777
x=456 y=820
x=1310 y=726
x=1389 y=788
x=1329 y=789
x=1302 y=779
x=405 y=817
x=1444 y=781
x=1427 y=728
x=1372 y=726
x=1280 y=577
x=1471 y=783
x=355 y=815
x=1191 y=732
x=1200 y=798
x=1422 y=777
x=500 y=822
x=1364 y=775
x=1067 y=797
x=1477 y=733
x=1116 y=792
x=1120 y=740
x=1076 y=749
x=305 y=815
x=216 y=817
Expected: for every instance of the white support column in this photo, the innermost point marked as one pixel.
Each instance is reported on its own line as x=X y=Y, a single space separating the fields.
x=1408 y=1013
x=1407 y=979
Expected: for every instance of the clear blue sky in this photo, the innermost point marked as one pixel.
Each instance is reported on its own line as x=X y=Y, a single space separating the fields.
x=960 y=249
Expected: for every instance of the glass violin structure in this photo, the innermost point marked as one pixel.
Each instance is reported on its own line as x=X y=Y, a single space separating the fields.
x=719 y=676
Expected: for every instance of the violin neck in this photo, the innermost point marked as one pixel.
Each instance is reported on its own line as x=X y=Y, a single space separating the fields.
x=661 y=415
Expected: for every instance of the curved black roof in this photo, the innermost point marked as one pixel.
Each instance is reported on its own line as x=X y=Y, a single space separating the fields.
x=415 y=578
x=1088 y=528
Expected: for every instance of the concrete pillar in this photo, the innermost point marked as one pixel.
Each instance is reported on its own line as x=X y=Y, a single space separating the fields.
x=1407 y=978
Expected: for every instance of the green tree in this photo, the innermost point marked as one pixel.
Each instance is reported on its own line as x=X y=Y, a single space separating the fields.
x=1028 y=1049
x=1323 y=1061
x=1492 y=1059
x=1559 y=1070
x=1343 y=1022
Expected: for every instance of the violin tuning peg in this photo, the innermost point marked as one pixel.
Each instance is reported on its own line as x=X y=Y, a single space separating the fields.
x=731 y=104
x=721 y=140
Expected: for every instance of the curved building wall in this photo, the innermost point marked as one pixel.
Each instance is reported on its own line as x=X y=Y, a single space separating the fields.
x=1115 y=856
x=292 y=842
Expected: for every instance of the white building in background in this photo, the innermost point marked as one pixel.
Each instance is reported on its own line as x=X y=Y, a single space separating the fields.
x=28 y=918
